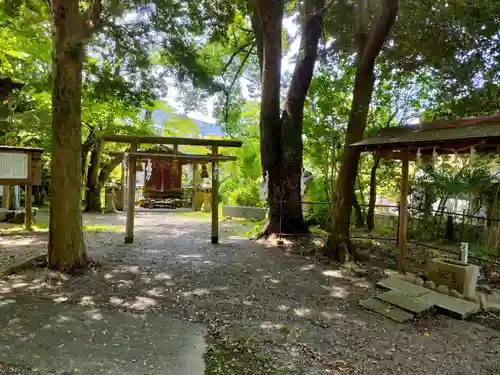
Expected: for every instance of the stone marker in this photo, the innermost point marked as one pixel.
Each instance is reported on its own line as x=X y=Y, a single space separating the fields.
x=391 y=312
x=416 y=305
x=454 y=274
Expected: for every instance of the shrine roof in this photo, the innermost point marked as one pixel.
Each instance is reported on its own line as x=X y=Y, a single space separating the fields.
x=446 y=136
x=162 y=149
x=18 y=148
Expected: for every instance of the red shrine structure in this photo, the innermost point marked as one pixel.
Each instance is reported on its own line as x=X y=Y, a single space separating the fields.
x=165 y=177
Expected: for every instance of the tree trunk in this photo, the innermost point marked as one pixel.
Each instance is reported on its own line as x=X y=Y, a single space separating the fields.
x=369 y=46
x=358 y=212
x=292 y=119
x=86 y=147
x=66 y=250
x=271 y=15
x=281 y=139
x=370 y=217
x=93 y=191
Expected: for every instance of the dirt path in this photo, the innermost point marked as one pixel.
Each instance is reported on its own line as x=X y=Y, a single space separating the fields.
x=266 y=311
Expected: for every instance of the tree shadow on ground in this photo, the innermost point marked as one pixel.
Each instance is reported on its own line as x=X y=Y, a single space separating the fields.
x=297 y=311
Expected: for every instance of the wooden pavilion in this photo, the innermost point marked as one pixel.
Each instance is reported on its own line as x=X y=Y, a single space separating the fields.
x=166 y=159
x=425 y=141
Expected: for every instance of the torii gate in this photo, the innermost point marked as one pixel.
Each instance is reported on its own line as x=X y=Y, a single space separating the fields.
x=135 y=154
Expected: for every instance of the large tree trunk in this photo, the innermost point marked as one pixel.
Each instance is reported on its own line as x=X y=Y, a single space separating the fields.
x=281 y=139
x=370 y=216
x=93 y=191
x=271 y=15
x=66 y=246
x=292 y=119
x=369 y=46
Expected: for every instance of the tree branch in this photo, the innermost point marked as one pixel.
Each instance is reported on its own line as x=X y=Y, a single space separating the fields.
x=240 y=49
x=231 y=86
x=379 y=34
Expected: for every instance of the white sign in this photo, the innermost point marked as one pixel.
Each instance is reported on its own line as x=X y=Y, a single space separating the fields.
x=13 y=166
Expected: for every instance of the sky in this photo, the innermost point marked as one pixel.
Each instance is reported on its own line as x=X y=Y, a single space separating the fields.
x=287 y=65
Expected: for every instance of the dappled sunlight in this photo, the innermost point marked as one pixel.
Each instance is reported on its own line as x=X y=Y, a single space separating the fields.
x=156 y=292
x=87 y=301
x=163 y=276
x=328 y=315
x=4 y=302
x=187 y=256
x=336 y=291
x=197 y=292
x=116 y=301
x=142 y=303
x=283 y=308
x=302 y=312
x=93 y=314
x=308 y=267
x=333 y=273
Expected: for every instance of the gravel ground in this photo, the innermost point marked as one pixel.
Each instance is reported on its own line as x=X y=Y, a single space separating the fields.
x=268 y=311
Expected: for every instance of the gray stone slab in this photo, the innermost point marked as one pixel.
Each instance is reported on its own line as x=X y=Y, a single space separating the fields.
x=58 y=338
x=455 y=307
x=382 y=308
x=405 y=287
x=416 y=305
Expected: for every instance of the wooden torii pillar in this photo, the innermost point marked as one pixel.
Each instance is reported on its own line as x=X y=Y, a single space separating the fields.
x=403 y=215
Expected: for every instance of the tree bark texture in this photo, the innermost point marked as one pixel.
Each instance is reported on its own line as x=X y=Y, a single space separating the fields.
x=93 y=190
x=271 y=15
x=358 y=212
x=281 y=136
x=369 y=46
x=370 y=216
x=66 y=245
x=292 y=119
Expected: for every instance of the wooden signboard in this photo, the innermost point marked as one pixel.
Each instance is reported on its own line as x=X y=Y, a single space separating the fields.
x=20 y=166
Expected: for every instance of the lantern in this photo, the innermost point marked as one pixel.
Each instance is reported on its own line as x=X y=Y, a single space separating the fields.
x=204 y=172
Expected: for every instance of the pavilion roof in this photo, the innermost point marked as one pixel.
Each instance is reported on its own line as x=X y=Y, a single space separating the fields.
x=445 y=136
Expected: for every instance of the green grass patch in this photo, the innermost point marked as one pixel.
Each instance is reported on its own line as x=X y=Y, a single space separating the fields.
x=103 y=228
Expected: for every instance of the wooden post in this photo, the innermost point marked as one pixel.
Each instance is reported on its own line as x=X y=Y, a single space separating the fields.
x=124 y=186
x=129 y=225
x=403 y=217
x=5 y=197
x=215 y=197
x=28 y=208
x=195 y=183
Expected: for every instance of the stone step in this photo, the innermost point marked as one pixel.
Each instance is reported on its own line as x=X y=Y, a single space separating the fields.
x=405 y=287
x=416 y=305
x=455 y=307
x=389 y=311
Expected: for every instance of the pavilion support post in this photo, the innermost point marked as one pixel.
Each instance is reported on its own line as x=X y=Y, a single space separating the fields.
x=195 y=184
x=5 y=197
x=403 y=217
x=215 y=197
x=28 y=207
x=131 y=179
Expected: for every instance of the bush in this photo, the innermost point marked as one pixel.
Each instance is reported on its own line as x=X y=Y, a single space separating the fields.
x=244 y=193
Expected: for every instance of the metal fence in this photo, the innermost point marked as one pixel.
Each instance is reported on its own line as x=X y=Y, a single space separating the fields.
x=440 y=230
